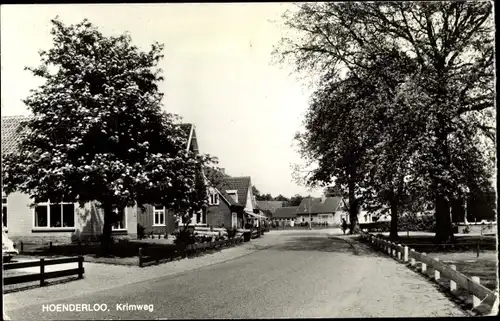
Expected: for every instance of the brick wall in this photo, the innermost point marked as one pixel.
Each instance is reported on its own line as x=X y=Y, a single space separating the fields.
x=88 y=223
x=219 y=214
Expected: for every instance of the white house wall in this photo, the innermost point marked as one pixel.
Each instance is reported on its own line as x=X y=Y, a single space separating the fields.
x=88 y=222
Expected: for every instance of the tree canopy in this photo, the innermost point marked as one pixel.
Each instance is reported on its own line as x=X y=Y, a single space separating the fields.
x=403 y=110
x=98 y=131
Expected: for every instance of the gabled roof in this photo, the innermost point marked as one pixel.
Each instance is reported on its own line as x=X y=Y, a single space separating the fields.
x=286 y=212
x=10 y=135
x=319 y=206
x=241 y=184
x=192 y=143
x=304 y=205
x=271 y=206
x=228 y=199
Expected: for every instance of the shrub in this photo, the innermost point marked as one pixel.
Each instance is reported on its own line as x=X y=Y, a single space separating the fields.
x=184 y=237
x=231 y=232
x=412 y=222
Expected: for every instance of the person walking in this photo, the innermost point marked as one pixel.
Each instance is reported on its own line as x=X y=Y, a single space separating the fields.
x=344 y=225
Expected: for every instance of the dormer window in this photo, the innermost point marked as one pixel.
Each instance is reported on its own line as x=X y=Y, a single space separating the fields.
x=233 y=194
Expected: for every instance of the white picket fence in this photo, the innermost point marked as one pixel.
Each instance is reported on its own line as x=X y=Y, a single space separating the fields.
x=406 y=255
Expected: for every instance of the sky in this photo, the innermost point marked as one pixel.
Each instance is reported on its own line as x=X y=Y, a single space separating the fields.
x=217 y=69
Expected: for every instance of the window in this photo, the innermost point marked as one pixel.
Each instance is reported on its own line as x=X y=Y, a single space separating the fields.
x=120 y=224
x=234 y=219
x=214 y=199
x=159 y=215
x=233 y=194
x=4 y=211
x=198 y=217
x=54 y=215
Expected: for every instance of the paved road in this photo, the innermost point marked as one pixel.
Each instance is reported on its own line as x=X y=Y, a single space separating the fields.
x=302 y=274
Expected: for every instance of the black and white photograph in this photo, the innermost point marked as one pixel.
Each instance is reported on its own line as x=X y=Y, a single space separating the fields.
x=246 y=160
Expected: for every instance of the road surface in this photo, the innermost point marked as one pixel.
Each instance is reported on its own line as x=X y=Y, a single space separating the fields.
x=300 y=275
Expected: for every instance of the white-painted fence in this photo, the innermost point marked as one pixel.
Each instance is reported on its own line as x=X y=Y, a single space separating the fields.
x=404 y=255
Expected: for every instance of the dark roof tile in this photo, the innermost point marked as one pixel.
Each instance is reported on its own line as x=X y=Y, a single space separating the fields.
x=269 y=205
x=329 y=205
x=10 y=134
x=241 y=184
x=286 y=212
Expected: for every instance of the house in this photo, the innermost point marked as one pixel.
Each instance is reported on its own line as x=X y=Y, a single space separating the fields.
x=46 y=221
x=285 y=215
x=325 y=210
x=269 y=207
x=155 y=218
x=231 y=201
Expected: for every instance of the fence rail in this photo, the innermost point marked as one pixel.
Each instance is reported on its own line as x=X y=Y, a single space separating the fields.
x=157 y=255
x=406 y=255
x=42 y=276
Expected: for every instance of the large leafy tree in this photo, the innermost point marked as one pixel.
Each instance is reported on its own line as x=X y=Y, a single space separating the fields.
x=451 y=44
x=296 y=200
x=98 y=131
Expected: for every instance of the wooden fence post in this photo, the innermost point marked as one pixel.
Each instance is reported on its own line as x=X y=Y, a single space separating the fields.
x=140 y=257
x=42 y=272
x=405 y=256
x=437 y=274
x=22 y=246
x=424 y=266
x=399 y=252
x=477 y=249
x=453 y=284
x=80 y=267
x=50 y=246
x=412 y=259
x=475 y=299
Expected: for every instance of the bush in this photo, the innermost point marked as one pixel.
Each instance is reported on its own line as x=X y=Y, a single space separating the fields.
x=412 y=222
x=231 y=232
x=184 y=237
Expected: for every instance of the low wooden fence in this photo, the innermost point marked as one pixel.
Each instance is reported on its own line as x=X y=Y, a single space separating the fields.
x=42 y=276
x=406 y=255
x=156 y=255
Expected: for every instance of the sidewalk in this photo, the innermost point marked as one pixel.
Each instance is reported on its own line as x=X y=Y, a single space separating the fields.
x=384 y=286
x=99 y=277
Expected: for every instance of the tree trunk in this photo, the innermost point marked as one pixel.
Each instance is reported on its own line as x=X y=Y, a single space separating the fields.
x=444 y=229
x=106 y=231
x=353 y=209
x=393 y=235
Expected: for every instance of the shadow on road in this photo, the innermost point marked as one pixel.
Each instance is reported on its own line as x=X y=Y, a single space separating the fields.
x=308 y=243
x=326 y=244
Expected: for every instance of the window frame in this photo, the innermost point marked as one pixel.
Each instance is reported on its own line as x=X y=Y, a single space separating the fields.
x=163 y=211
x=213 y=198
x=53 y=228
x=124 y=221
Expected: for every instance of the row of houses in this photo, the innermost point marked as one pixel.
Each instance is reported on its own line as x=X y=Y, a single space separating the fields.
x=329 y=210
x=231 y=203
